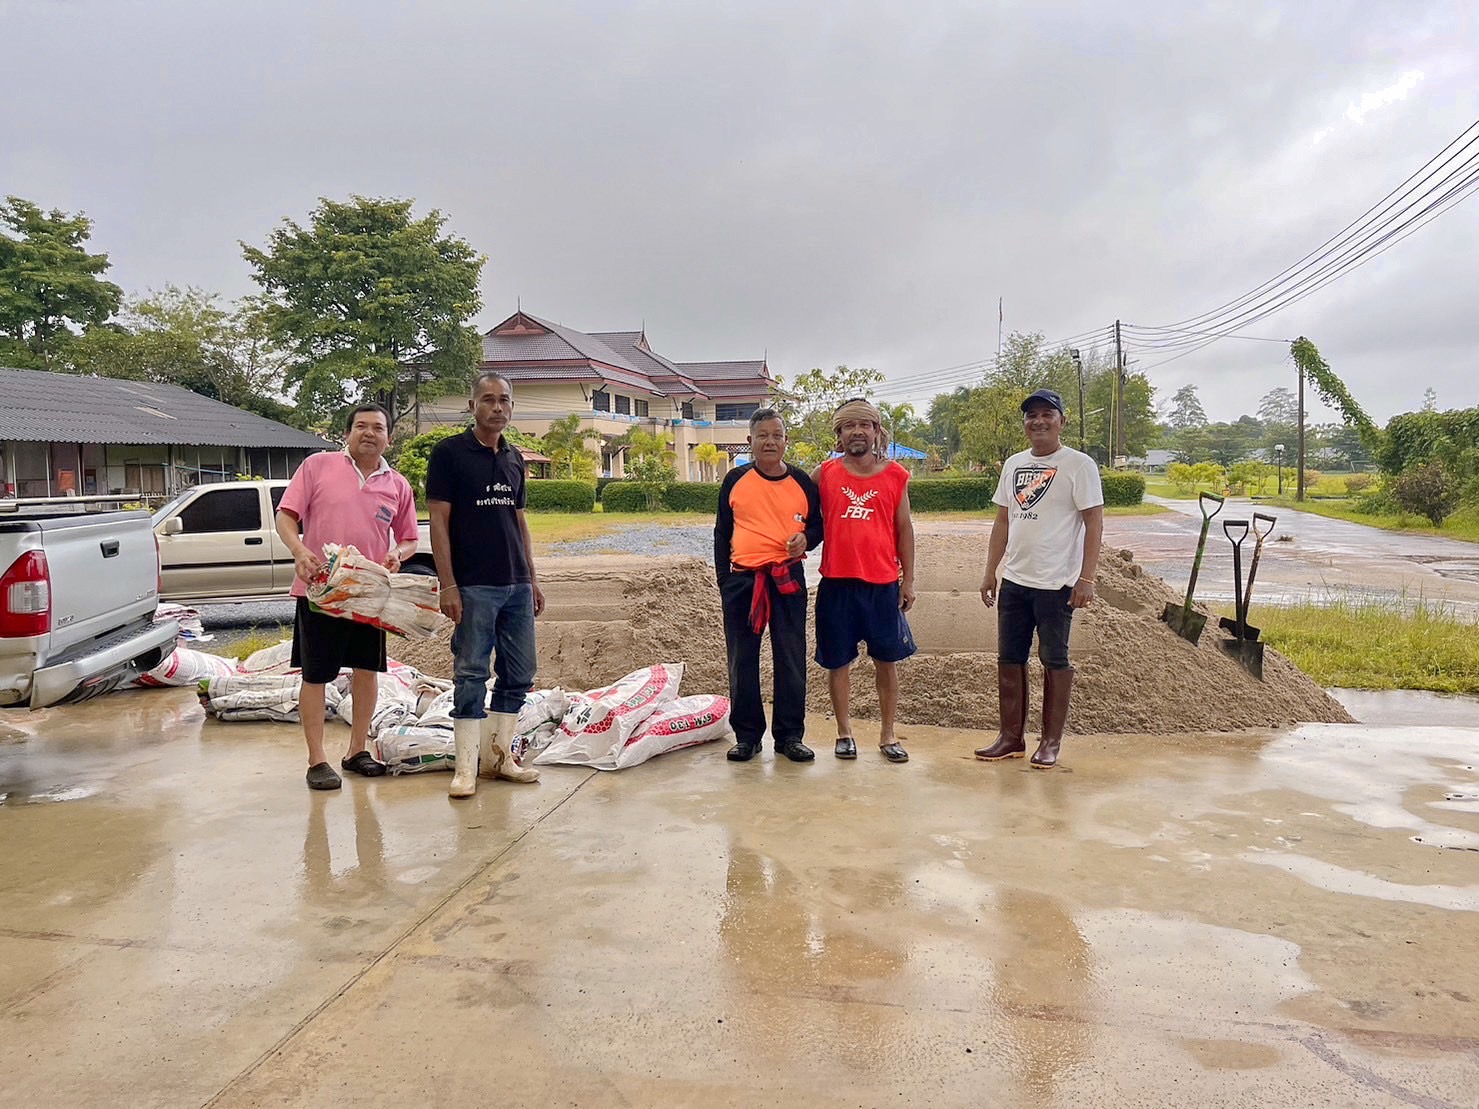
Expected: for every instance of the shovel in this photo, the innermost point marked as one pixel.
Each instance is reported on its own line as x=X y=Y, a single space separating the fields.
x=1249 y=652
x=1183 y=619
x=1230 y=623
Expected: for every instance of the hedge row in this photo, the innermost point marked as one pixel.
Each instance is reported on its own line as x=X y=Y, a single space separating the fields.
x=680 y=496
x=1122 y=489
x=549 y=495
x=956 y=493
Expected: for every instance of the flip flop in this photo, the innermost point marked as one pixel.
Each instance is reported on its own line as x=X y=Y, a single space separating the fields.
x=846 y=748
x=364 y=765
x=894 y=753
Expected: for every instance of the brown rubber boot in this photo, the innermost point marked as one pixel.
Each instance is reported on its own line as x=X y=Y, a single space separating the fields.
x=1057 y=692
x=1011 y=693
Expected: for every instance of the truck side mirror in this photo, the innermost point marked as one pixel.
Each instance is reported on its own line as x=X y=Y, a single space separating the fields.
x=173 y=526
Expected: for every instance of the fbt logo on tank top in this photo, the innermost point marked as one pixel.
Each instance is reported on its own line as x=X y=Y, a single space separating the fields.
x=496 y=501
x=858 y=509
x=1029 y=485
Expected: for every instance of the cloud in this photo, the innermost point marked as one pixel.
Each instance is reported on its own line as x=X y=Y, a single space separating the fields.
x=1392 y=94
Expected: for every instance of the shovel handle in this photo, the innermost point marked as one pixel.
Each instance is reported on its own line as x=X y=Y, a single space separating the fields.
x=1263 y=533
x=1196 y=565
x=1260 y=535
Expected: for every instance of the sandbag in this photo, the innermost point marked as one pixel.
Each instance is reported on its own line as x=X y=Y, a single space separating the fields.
x=594 y=731
x=261 y=697
x=687 y=722
x=353 y=587
x=395 y=702
x=186 y=666
x=410 y=749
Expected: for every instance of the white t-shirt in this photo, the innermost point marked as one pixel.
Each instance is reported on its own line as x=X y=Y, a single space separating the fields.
x=1044 y=497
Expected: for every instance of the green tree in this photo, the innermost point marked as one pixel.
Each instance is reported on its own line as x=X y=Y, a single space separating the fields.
x=371 y=303
x=903 y=425
x=564 y=442
x=807 y=405
x=50 y=286
x=1186 y=409
x=991 y=424
x=707 y=455
x=1428 y=490
x=1139 y=423
x=186 y=337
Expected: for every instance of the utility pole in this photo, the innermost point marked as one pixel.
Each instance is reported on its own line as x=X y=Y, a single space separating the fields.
x=1299 y=478
x=1079 y=366
x=1117 y=438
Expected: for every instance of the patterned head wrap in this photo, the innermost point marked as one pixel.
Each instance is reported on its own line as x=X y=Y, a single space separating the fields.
x=860 y=409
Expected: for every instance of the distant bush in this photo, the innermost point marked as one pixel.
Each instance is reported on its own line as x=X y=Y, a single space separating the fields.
x=1377 y=502
x=1427 y=490
x=1359 y=483
x=951 y=494
x=692 y=496
x=623 y=496
x=549 y=495
x=1122 y=489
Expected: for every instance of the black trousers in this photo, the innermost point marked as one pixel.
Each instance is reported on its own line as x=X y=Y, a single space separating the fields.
x=1020 y=610
x=787 y=649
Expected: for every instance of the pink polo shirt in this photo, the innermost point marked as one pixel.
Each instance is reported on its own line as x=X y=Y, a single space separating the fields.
x=338 y=505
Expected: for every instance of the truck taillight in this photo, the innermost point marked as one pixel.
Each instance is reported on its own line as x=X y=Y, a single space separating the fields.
x=25 y=597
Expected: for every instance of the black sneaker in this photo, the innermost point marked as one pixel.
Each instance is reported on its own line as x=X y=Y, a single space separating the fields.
x=743 y=752
x=796 y=751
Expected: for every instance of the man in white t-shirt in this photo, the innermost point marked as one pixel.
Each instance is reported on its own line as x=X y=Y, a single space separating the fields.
x=1044 y=551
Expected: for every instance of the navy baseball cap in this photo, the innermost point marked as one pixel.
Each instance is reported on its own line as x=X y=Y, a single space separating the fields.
x=1045 y=395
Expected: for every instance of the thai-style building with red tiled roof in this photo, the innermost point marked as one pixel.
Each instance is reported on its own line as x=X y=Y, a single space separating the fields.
x=614 y=381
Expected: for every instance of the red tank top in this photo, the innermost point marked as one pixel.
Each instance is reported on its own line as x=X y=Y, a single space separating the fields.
x=858 y=522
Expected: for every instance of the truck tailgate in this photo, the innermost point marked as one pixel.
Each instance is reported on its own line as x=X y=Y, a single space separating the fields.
x=104 y=572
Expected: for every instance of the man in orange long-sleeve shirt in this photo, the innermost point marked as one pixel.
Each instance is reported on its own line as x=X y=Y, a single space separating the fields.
x=769 y=517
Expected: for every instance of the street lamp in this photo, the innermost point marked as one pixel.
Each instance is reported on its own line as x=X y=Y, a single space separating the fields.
x=1079 y=366
x=1279 y=461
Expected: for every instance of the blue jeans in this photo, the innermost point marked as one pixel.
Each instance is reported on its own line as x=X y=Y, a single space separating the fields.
x=496 y=620
x=1019 y=611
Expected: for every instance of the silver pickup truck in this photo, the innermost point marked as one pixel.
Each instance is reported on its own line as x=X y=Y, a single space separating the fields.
x=78 y=592
x=220 y=543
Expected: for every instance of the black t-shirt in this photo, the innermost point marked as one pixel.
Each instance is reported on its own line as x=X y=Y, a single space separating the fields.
x=486 y=490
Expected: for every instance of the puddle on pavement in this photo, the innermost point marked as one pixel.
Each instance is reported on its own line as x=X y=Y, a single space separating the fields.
x=1409 y=707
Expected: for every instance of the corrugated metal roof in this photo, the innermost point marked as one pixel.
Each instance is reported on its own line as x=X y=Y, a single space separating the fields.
x=66 y=408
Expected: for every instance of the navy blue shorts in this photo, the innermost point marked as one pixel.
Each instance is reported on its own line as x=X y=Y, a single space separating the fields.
x=850 y=611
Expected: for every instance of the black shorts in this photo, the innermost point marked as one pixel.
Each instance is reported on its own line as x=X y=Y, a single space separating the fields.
x=850 y=610
x=323 y=645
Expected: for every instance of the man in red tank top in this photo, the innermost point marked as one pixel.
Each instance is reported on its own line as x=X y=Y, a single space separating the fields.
x=867 y=570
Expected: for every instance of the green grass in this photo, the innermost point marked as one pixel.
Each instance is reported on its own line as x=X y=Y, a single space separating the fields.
x=1461 y=525
x=249 y=642
x=1370 y=644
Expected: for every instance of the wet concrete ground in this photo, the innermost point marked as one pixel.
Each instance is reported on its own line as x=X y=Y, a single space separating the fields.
x=1286 y=920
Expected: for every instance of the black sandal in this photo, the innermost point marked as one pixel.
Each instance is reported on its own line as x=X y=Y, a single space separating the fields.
x=321 y=776
x=846 y=748
x=894 y=753
x=364 y=765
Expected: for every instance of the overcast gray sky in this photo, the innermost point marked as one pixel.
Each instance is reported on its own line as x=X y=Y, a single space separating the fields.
x=832 y=183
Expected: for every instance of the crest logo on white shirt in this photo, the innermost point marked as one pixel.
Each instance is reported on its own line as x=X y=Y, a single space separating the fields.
x=1029 y=484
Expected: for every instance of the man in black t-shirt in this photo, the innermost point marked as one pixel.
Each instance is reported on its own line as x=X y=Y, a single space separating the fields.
x=484 y=558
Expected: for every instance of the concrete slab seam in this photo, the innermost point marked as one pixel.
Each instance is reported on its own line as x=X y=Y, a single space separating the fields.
x=356 y=978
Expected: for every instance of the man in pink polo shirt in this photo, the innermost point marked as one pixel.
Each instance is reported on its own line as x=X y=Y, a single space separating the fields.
x=352 y=498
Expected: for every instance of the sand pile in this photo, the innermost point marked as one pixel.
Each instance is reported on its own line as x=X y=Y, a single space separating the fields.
x=608 y=615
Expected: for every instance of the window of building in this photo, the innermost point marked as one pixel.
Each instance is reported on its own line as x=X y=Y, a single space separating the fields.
x=223 y=510
x=641 y=407
x=623 y=405
x=601 y=400
x=688 y=410
x=735 y=411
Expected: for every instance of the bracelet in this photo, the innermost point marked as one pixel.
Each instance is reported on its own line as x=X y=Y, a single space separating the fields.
x=447 y=587
x=1087 y=581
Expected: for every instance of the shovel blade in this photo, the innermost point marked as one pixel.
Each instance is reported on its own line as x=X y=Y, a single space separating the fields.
x=1228 y=624
x=1249 y=654
x=1188 y=625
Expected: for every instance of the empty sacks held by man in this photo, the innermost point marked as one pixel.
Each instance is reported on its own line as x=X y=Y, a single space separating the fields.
x=768 y=519
x=867 y=571
x=485 y=561
x=1044 y=550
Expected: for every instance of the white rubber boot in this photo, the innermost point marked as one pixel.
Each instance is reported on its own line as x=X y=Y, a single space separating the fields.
x=465 y=771
x=498 y=737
